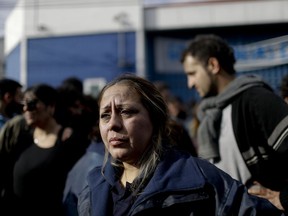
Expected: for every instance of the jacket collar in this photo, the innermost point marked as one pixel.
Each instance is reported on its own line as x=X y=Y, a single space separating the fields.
x=175 y=167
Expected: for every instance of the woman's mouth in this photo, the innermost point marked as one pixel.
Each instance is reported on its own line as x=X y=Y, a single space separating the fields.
x=115 y=141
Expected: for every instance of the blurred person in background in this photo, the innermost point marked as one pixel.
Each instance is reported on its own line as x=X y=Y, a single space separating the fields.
x=36 y=166
x=80 y=113
x=144 y=175
x=10 y=99
x=73 y=112
x=178 y=117
x=193 y=121
x=12 y=135
x=176 y=107
x=70 y=102
x=243 y=123
x=76 y=179
x=72 y=83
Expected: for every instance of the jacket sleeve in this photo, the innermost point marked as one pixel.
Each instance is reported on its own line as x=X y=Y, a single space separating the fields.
x=9 y=135
x=84 y=204
x=260 y=119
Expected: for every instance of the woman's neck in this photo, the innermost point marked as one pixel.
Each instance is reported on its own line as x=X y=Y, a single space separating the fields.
x=130 y=172
x=45 y=136
x=47 y=127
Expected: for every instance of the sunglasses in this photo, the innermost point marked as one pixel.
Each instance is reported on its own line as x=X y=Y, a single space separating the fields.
x=31 y=105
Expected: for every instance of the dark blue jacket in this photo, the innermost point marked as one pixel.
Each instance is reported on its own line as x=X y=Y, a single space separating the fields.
x=181 y=185
x=76 y=179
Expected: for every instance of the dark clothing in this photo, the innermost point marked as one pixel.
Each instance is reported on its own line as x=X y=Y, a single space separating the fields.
x=39 y=176
x=180 y=138
x=181 y=185
x=122 y=199
x=33 y=178
x=15 y=137
x=260 y=121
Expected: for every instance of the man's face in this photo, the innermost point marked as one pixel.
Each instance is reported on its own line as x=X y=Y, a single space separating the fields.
x=18 y=95
x=198 y=76
x=14 y=105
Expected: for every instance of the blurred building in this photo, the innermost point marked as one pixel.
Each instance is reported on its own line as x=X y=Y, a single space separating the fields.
x=47 y=41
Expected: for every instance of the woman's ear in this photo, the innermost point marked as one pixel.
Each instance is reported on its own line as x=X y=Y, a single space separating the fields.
x=213 y=65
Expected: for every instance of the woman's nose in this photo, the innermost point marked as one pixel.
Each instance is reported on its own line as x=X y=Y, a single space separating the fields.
x=115 y=122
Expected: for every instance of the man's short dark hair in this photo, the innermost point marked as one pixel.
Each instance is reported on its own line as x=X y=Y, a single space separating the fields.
x=203 y=47
x=8 y=86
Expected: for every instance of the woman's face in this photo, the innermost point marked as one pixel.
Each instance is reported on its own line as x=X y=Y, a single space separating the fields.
x=125 y=124
x=35 y=111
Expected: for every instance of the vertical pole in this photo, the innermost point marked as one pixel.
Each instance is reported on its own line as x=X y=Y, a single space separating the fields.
x=23 y=51
x=141 y=44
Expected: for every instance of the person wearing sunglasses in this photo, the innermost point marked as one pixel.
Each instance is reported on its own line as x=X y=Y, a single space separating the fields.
x=41 y=159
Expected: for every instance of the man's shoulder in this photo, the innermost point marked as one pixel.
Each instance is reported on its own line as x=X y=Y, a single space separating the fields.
x=16 y=120
x=257 y=93
x=258 y=90
x=256 y=102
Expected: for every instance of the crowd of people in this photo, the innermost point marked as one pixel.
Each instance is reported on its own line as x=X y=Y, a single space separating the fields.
x=137 y=150
x=40 y=144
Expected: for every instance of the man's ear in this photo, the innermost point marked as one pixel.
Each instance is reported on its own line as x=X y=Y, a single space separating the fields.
x=213 y=65
x=7 y=97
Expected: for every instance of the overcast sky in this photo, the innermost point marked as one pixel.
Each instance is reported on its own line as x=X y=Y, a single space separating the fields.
x=5 y=7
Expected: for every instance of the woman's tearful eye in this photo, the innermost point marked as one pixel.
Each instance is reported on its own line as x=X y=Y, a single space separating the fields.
x=104 y=116
x=128 y=112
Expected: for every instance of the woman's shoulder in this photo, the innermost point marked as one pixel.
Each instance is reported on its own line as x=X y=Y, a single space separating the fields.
x=190 y=164
x=179 y=162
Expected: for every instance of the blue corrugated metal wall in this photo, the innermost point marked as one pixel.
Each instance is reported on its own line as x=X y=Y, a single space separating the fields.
x=12 y=66
x=51 y=60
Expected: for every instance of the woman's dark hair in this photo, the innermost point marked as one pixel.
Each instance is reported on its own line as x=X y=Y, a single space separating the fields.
x=45 y=93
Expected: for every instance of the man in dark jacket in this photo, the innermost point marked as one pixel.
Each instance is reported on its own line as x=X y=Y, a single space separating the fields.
x=243 y=128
